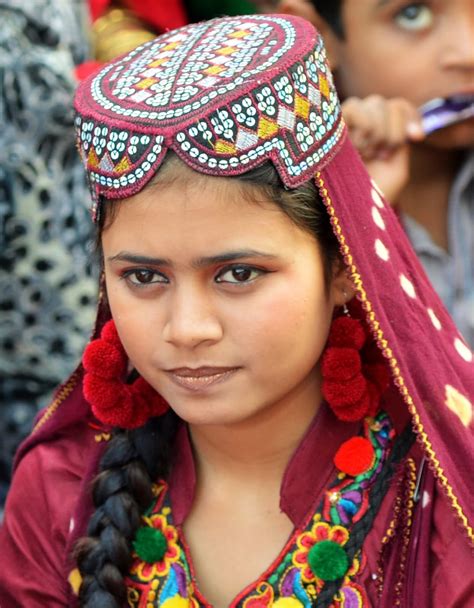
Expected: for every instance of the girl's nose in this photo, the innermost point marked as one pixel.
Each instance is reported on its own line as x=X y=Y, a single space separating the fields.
x=192 y=320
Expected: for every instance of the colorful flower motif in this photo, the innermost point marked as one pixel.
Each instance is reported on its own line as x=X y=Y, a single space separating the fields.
x=351 y=595
x=145 y=571
x=345 y=503
x=321 y=531
x=263 y=598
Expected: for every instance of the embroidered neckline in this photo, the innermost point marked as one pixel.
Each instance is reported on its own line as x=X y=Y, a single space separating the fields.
x=320 y=560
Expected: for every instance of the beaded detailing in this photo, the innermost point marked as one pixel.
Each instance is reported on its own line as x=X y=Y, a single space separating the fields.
x=199 y=91
x=318 y=565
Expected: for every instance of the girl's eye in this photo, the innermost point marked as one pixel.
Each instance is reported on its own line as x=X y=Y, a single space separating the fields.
x=238 y=274
x=143 y=276
x=415 y=16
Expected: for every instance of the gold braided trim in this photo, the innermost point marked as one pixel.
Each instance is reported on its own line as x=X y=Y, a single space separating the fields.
x=63 y=393
x=388 y=354
x=407 y=521
x=386 y=540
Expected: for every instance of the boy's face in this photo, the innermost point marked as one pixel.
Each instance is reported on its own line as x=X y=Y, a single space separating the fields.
x=397 y=48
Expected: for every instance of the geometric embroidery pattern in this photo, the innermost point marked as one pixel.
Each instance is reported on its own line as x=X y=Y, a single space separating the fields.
x=198 y=91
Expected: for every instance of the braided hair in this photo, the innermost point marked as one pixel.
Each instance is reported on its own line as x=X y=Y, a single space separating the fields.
x=121 y=492
x=134 y=460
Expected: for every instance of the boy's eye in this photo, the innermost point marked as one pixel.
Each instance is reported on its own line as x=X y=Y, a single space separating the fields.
x=143 y=276
x=238 y=274
x=415 y=16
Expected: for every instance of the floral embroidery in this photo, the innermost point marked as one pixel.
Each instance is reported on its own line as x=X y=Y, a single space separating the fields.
x=292 y=581
x=167 y=582
x=321 y=531
x=146 y=571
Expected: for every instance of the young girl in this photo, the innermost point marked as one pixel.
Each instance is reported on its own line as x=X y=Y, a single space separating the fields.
x=275 y=409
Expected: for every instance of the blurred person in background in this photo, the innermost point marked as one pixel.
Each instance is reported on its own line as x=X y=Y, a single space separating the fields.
x=47 y=287
x=121 y=25
x=389 y=58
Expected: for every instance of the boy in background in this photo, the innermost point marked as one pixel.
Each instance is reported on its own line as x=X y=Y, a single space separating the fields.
x=389 y=57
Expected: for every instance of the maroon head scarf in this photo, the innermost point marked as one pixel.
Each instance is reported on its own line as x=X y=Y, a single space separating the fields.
x=228 y=95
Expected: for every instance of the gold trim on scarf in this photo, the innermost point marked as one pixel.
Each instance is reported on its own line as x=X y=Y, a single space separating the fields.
x=388 y=354
x=62 y=394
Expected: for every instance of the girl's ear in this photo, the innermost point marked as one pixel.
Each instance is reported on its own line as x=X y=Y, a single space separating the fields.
x=305 y=9
x=342 y=287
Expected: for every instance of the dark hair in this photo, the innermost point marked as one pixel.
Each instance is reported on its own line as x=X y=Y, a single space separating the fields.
x=134 y=460
x=331 y=12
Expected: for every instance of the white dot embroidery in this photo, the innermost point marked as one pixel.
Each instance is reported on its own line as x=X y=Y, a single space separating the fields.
x=425 y=501
x=464 y=351
x=434 y=319
x=407 y=286
x=381 y=250
x=459 y=404
x=378 y=218
x=377 y=198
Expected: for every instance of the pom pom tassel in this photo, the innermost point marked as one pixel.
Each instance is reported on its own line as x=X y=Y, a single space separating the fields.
x=114 y=402
x=352 y=385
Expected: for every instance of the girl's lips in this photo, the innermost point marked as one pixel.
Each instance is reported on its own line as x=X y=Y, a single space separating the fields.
x=201 y=378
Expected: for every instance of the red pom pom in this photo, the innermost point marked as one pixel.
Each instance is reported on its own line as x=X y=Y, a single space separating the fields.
x=340 y=363
x=120 y=416
x=104 y=359
x=109 y=334
x=112 y=401
x=102 y=394
x=156 y=404
x=347 y=332
x=343 y=394
x=355 y=411
x=355 y=456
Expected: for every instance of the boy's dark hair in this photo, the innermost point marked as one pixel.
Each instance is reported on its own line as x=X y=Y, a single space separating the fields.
x=331 y=12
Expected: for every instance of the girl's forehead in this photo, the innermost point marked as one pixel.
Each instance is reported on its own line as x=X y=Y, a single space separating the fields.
x=198 y=221
x=204 y=201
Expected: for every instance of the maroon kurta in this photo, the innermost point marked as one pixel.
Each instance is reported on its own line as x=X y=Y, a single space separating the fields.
x=41 y=518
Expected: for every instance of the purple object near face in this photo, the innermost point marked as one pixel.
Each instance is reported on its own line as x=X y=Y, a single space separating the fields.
x=442 y=112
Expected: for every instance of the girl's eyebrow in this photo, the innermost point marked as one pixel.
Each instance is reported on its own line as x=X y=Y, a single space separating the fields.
x=227 y=256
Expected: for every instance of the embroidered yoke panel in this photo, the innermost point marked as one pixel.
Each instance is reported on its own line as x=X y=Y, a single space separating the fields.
x=320 y=562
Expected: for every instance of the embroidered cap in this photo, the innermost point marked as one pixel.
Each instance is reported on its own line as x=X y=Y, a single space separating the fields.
x=225 y=95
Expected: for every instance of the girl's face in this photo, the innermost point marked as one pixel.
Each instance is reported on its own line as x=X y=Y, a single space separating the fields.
x=220 y=302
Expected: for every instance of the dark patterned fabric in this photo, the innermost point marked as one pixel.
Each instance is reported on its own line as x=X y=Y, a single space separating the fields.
x=47 y=291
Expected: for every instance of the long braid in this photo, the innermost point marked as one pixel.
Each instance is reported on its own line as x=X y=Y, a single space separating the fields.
x=122 y=491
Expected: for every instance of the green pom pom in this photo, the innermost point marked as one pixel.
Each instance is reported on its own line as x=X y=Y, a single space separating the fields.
x=150 y=544
x=328 y=560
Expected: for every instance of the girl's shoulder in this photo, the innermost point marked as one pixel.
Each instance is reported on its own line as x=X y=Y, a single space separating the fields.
x=39 y=516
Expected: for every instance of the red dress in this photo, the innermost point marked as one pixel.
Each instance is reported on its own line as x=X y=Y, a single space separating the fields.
x=36 y=570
